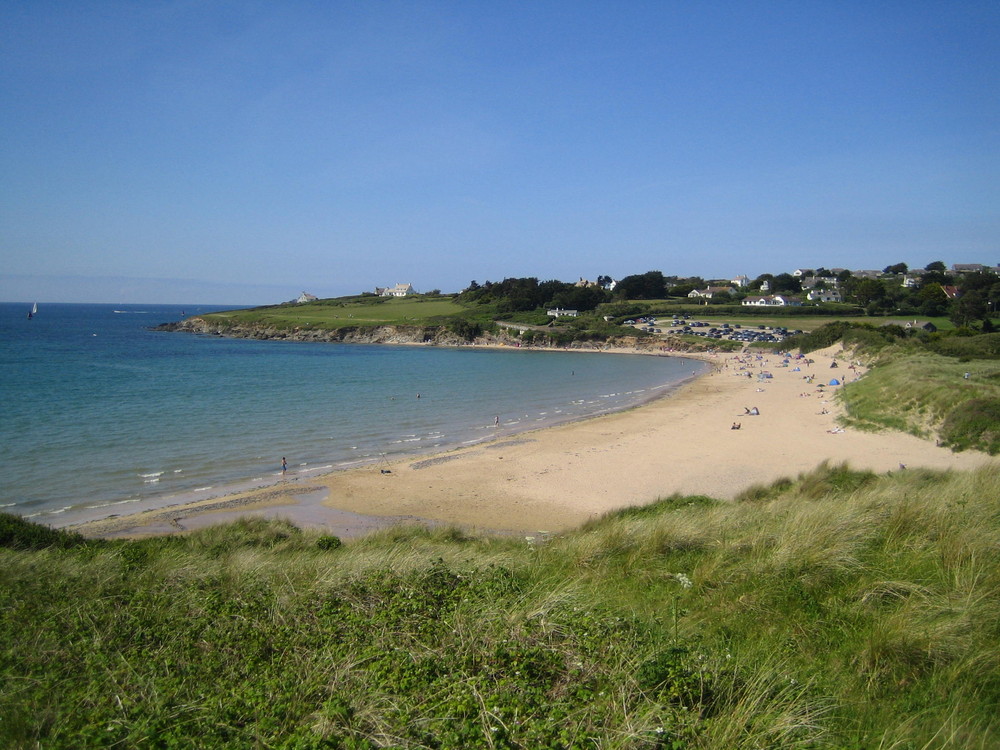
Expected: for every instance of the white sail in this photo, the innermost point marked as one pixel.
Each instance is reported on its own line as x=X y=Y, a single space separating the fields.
x=34 y=309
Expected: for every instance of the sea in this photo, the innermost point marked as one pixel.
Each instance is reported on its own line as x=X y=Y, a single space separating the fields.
x=100 y=415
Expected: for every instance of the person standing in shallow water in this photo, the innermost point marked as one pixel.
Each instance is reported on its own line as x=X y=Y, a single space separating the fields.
x=284 y=465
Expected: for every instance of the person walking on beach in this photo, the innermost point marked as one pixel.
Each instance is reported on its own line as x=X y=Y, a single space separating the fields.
x=284 y=465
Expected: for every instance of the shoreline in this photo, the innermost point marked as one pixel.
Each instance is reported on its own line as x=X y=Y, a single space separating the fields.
x=557 y=477
x=161 y=512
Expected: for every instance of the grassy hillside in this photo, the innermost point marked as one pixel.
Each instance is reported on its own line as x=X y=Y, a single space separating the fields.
x=368 y=310
x=835 y=610
x=348 y=311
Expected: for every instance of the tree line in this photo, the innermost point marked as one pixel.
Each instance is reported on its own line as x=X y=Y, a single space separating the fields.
x=965 y=297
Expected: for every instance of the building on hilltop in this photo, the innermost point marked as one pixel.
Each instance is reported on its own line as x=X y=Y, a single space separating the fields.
x=306 y=297
x=558 y=312
x=400 y=290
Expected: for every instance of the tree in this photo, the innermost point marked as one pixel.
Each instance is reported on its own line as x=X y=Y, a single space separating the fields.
x=785 y=282
x=937 y=265
x=897 y=268
x=968 y=308
x=580 y=298
x=935 y=277
x=978 y=281
x=932 y=301
x=868 y=291
x=650 y=285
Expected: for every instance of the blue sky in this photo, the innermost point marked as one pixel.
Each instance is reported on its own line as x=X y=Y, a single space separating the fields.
x=242 y=152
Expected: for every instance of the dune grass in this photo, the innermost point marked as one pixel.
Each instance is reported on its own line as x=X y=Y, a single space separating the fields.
x=928 y=394
x=838 y=609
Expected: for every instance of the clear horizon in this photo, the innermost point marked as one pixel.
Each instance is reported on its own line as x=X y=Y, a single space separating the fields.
x=238 y=153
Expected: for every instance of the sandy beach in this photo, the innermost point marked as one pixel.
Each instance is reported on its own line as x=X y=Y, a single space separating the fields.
x=557 y=478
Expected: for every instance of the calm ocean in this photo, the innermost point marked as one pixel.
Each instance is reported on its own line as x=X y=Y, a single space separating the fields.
x=99 y=411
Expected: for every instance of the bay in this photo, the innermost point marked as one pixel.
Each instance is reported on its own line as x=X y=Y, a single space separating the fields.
x=99 y=411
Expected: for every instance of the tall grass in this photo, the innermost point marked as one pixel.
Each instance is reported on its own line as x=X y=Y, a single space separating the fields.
x=928 y=394
x=837 y=609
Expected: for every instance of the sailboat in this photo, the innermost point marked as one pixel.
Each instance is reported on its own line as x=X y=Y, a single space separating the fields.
x=34 y=311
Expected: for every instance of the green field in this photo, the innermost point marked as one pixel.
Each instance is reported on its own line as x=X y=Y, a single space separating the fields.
x=349 y=311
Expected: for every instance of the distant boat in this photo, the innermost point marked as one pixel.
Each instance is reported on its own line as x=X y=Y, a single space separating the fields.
x=33 y=312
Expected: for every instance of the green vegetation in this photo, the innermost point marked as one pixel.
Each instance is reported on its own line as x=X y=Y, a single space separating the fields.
x=931 y=385
x=965 y=301
x=926 y=393
x=362 y=311
x=836 y=610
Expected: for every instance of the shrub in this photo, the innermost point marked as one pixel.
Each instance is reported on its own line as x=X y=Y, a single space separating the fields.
x=328 y=542
x=18 y=533
x=974 y=424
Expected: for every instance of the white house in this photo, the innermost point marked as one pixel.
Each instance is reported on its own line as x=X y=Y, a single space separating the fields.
x=560 y=313
x=400 y=290
x=711 y=292
x=306 y=297
x=824 y=295
x=773 y=300
x=741 y=281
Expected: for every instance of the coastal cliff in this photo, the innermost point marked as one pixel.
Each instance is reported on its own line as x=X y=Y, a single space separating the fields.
x=394 y=334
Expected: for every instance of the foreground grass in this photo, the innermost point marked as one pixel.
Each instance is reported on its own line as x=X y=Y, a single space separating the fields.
x=836 y=610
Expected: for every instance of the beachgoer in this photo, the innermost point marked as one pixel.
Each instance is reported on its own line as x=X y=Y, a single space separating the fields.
x=284 y=465
x=496 y=421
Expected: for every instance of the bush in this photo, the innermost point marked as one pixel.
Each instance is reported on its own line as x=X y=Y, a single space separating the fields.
x=18 y=533
x=983 y=346
x=329 y=542
x=974 y=424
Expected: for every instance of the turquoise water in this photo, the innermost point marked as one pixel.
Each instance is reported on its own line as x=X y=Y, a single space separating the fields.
x=99 y=411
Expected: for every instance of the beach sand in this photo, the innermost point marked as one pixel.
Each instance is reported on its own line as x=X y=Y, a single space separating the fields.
x=556 y=478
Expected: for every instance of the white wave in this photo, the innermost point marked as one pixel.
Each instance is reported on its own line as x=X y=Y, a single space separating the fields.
x=152 y=475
